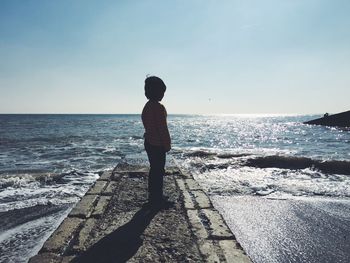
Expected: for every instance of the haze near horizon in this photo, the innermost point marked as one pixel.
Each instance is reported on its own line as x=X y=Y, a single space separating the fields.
x=231 y=57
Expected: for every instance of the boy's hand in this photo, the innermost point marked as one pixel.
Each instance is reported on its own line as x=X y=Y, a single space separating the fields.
x=167 y=148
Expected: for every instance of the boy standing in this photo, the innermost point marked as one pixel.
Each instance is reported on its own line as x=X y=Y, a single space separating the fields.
x=157 y=138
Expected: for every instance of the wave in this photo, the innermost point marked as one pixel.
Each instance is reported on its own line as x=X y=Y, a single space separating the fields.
x=22 y=191
x=12 y=218
x=232 y=155
x=21 y=180
x=239 y=179
x=203 y=154
x=130 y=137
x=200 y=153
x=218 y=160
x=294 y=163
x=23 y=231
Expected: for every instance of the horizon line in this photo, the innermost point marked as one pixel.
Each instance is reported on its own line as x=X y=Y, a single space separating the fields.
x=217 y=114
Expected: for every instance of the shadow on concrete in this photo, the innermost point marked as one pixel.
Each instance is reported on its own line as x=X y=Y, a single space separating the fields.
x=122 y=244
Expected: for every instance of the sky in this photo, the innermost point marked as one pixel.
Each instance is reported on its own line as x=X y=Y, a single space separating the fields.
x=231 y=57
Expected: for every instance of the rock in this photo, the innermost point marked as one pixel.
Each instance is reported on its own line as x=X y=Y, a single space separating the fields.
x=340 y=120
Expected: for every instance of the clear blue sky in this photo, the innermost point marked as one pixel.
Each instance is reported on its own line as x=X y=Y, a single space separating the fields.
x=281 y=56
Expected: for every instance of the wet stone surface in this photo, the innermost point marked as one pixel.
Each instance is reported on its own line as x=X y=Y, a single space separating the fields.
x=113 y=224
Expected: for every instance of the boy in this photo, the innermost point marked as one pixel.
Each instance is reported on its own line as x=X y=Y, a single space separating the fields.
x=157 y=138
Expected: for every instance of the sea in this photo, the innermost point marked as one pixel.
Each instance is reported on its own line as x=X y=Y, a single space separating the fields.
x=49 y=161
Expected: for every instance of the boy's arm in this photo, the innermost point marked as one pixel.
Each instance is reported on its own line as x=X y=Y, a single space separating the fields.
x=163 y=129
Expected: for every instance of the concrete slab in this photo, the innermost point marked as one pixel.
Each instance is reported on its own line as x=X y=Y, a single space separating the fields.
x=192 y=184
x=196 y=224
x=186 y=175
x=232 y=252
x=217 y=227
x=105 y=176
x=67 y=259
x=181 y=184
x=60 y=239
x=208 y=249
x=84 y=208
x=137 y=174
x=45 y=257
x=111 y=187
x=97 y=188
x=83 y=238
x=101 y=206
x=116 y=176
x=188 y=200
x=201 y=199
x=172 y=171
x=119 y=220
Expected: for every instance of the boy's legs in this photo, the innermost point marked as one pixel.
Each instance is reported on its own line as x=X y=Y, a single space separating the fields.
x=156 y=157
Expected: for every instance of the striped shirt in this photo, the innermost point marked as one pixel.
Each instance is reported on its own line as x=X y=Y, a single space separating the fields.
x=154 y=121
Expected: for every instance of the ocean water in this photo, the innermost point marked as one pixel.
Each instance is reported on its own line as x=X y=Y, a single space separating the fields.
x=47 y=163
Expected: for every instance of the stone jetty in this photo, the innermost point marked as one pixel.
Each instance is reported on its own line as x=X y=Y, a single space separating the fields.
x=339 y=120
x=112 y=224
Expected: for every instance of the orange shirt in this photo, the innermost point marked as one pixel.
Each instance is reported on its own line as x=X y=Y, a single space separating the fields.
x=154 y=120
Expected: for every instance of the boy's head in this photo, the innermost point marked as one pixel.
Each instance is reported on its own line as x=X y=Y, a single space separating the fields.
x=154 y=88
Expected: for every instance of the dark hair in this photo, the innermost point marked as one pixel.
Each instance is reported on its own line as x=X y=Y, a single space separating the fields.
x=154 y=88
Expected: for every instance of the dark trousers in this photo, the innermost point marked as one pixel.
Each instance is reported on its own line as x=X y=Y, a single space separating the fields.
x=156 y=157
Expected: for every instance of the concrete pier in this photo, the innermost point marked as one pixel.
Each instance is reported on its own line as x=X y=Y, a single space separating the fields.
x=112 y=224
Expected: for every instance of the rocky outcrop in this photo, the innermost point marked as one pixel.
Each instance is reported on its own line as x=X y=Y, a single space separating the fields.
x=339 y=120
